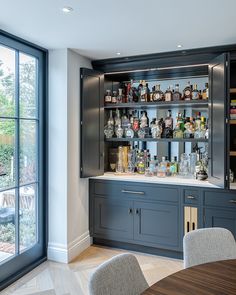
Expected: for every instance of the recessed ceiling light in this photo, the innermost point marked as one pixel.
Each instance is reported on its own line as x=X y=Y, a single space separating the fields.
x=67 y=9
x=118 y=53
x=179 y=46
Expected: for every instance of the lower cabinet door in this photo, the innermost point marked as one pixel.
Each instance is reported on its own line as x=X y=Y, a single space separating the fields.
x=157 y=224
x=221 y=218
x=113 y=219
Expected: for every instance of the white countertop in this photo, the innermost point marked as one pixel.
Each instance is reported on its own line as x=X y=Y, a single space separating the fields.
x=155 y=179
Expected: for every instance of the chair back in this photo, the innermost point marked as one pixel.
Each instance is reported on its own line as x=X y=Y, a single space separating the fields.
x=120 y=275
x=208 y=245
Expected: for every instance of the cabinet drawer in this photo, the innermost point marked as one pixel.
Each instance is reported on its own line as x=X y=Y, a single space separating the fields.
x=136 y=190
x=220 y=199
x=191 y=196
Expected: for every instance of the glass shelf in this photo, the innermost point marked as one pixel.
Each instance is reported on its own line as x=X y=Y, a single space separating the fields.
x=150 y=139
x=162 y=104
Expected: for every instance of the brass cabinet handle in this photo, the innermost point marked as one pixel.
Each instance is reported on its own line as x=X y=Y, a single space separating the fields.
x=232 y=201
x=132 y=192
x=191 y=197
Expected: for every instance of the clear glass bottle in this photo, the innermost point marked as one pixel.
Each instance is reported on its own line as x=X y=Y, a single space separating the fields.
x=143 y=120
x=203 y=127
x=143 y=93
x=120 y=95
x=131 y=166
x=205 y=92
x=173 y=166
x=107 y=98
x=168 y=94
x=109 y=130
x=129 y=132
x=124 y=121
x=136 y=125
x=153 y=166
x=176 y=94
x=184 y=165
x=188 y=132
x=168 y=130
x=158 y=94
x=197 y=133
x=187 y=93
x=195 y=92
x=119 y=131
x=114 y=97
x=156 y=130
x=117 y=119
x=140 y=163
x=110 y=120
x=119 y=163
x=162 y=168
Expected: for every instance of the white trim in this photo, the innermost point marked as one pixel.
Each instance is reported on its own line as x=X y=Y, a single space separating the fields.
x=77 y=246
x=64 y=254
x=57 y=252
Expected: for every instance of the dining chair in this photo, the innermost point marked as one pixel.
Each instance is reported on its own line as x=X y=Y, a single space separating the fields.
x=208 y=245
x=120 y=275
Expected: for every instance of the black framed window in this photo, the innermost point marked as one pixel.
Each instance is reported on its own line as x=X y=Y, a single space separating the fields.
x=23 y=155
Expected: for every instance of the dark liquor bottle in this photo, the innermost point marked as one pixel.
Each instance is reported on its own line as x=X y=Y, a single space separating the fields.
x=134 y=92
x=114 y=97
x=147 y=94
x=187 y=93
x=195 y=92
x=168 y=129
x=158 y=94
x=177 y=95
x=168 y=94
x=107 y=98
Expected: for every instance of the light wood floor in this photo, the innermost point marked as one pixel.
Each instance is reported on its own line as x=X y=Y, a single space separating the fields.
x=51 y=278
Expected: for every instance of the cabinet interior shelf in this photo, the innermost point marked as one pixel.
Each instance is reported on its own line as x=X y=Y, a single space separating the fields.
x=232 y=153
x=162 y=104
x=158 y=139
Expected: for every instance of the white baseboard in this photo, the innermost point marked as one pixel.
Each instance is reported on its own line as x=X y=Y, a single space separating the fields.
x=79 y=245
x=64 y=254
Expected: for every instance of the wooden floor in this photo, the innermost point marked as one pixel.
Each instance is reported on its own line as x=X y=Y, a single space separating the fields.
x=52 y=278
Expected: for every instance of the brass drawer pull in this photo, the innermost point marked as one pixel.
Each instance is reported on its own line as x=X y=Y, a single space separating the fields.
x=232 y=201
x=132 y=192
x=191 y=197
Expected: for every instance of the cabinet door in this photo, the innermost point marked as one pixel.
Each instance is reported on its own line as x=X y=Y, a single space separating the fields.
x=113 y=219
x=221 y=218
x=92 y=118
x=157 y=224
x=218 y=91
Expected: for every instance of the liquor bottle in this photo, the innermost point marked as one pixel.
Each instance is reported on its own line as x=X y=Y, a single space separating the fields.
x=173 y=166
x=129 y=132
x=143 y=93
x=129 y=94
x=203 y=127
x=120 y=96
x=140 y=163
x=117 y=119
x=205 y=92
x=110 y=120
x=162 y=168
x=195 y=92
x=108 y=96
x=147 y=94
x=168 y=94
x=180 y=121
x=158 y=94
x=197 y=133
x=119 y=131
x=152 y=93
x=168 y=130
x=188 y=132
x=178 y=132
x=153 y=166
x=187 y=93
x=114 y=97
x=124 y=120
x=143 y=120
x=176 y=94
x=134 y=92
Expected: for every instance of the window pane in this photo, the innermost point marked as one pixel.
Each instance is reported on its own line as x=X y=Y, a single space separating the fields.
x=28 y=86
x=28 y=151
x=7 y=82
x=28 y=229
x=7 y=224
x=7 y=153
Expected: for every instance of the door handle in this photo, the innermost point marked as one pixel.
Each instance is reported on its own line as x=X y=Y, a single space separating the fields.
x=188 y=227
x=191 y=197
x=130 y=211
x=132 y=192
x=193 y=226
x=232 y=201
x=137 y=211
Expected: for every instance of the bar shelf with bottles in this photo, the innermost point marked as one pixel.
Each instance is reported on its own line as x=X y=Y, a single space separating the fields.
x=171 y=125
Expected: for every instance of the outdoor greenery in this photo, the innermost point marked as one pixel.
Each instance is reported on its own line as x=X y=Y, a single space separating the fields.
x=27 y=230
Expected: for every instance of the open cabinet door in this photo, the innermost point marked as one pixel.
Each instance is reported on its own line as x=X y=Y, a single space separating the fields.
x=218 y=91
x=92 y=118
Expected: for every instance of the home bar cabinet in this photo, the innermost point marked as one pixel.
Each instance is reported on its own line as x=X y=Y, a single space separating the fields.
x=153 y=213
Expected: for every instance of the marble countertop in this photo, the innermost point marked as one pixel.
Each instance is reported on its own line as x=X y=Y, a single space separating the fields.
x=156 y=180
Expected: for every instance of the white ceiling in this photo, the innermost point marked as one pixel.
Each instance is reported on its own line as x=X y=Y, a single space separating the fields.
x=100 y=28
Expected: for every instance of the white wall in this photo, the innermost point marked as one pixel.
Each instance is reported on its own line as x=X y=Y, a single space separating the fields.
x=68 y=194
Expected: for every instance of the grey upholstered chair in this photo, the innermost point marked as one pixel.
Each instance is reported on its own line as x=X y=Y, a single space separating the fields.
x=120 y=275
x=208 y=245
